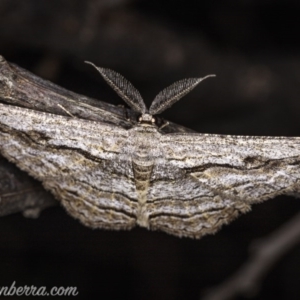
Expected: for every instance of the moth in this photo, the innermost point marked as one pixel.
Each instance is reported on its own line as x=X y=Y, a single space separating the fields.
x=185 y=184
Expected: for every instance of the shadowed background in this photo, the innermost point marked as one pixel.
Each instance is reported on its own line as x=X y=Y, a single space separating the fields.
x=252 y=47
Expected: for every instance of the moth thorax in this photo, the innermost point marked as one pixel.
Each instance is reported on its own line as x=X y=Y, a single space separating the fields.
x=146 y=118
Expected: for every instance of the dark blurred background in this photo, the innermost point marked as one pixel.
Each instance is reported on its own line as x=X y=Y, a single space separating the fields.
x=252 y=46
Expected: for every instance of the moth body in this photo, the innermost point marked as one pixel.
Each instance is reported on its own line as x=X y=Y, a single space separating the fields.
x=112 y=177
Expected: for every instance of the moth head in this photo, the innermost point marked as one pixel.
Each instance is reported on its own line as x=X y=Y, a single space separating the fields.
x=133 y=98
x=147 y=119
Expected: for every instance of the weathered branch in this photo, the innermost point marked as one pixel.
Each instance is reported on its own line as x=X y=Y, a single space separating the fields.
x=265 y=253
x=20 y=192
x=19 y=87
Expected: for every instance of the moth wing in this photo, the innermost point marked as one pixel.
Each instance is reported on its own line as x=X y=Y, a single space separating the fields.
x=216 y=177
x=79 y=161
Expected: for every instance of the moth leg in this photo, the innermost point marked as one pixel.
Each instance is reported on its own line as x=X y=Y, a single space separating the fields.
x=164 y=124
x=65 y=110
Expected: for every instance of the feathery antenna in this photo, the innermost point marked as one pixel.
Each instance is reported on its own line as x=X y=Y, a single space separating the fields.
x=123 y=88
x=173 y=93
